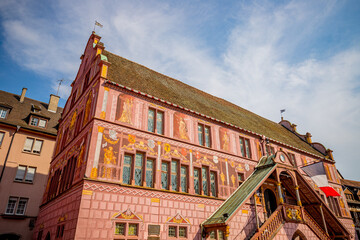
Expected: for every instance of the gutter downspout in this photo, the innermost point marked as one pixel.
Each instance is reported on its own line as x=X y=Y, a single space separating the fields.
x=8 y=152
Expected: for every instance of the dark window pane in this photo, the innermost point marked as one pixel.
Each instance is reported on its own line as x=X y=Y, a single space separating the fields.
x=207 y=136
x=197 y=181
x=247 y=147
x=242 y=147
x=127 y=169
x=151 y=118
x=204 y=181
x=183 y=179
x=133 y=230
x=149 y=173
x=172 y=231
x=159 y=122
x=120 y=229
x=200 y=134
x=164 y=175
x=138 y=169
x=212 y=184
x=182 y=232
x=174 y=177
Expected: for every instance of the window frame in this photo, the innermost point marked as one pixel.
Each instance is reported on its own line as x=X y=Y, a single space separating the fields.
x=177 y=231
x=133 y=168
x=32 y=145
x=38 y=121
x=126 y=235
x=203 y=136
x=2 y=136
x=16 y=206
x=243 y=149
x=242 y=177
x=4 y=110
x=23 y=180
x=155 y=121
x=168 y=172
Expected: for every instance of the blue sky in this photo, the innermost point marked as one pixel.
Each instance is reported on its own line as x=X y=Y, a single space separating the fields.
x=302 y=56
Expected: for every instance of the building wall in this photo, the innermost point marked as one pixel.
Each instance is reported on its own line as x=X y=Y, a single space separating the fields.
x=102 y=123
x=11 y=188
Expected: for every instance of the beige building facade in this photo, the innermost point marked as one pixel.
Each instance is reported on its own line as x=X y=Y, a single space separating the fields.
x=28 y=131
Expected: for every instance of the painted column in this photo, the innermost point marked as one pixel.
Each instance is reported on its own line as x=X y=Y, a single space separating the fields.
x=298 y=196
x=103 y=107
x=191 y=178
x=281 y=199
x=94 y=170
x=158 y=167
x=256 y=213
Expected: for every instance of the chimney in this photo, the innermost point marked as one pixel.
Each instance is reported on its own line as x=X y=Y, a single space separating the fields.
x=53 y=103
x=308 y=137
x=22 y=97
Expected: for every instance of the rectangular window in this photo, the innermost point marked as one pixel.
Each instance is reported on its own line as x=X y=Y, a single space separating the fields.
x=25 y=174
x=3 y=113
x=165 y=175
x=204 y=176
x=213 y=183
x=10 y=209
x=38 y=122
x=184 y=176
x=33 y=145
x=182 y=232
x=133 y=229
x=240 y=178
x=197 y=180
x=212 y=235
x=221 y=235
x=172 y=231
x=138 y=169
x=2 y=134
x=149 y=173
x=245 y=147
x=204 y=135
x=60 y=231
x=120 y=229
x=16 y=206
x=174 y=175
x=155 y=121
x=127 y=169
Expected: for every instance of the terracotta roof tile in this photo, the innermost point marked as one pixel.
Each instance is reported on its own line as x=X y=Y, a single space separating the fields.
x=136 y=76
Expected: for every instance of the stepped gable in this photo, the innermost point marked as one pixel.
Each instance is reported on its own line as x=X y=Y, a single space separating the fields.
x=20 y=113
x=138 y=77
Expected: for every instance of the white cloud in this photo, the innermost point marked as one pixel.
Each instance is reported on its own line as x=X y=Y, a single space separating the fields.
x=263 y=66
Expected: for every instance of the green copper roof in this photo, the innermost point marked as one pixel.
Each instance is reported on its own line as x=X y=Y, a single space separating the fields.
x=262 y=171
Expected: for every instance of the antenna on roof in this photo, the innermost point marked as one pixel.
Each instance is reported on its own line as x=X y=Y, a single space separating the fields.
x=281 y=112
x=97 y=24
x=59 y=81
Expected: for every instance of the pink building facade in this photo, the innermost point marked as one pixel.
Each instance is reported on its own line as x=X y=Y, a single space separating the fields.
x=136 y=160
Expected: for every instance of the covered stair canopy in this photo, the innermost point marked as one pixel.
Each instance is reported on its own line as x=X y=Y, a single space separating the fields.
x=310 y=208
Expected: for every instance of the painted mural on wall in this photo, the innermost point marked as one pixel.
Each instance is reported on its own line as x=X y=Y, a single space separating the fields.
x=109 y=164
x=180 y=126
x=224 y=139
x=124 y=111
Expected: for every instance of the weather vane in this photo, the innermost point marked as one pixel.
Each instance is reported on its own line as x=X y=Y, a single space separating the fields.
x=97 y=24
x=59 y=81
x=281 y=112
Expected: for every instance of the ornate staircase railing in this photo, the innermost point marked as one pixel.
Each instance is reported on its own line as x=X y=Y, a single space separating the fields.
x=270 y=227
x=314 y=226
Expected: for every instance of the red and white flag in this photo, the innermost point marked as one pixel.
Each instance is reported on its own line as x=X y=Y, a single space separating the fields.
x=317 y=173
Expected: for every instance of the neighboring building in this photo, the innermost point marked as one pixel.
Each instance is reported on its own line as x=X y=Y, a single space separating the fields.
x=352 y=193
x=28 y=131
x=140 y=155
